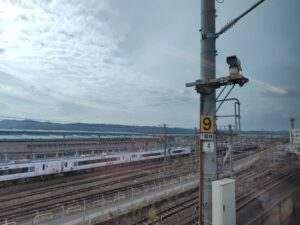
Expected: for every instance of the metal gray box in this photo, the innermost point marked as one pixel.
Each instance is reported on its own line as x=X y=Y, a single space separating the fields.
x=223 y=202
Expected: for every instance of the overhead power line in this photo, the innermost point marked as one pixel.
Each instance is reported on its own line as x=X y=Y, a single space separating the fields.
x=235 y=20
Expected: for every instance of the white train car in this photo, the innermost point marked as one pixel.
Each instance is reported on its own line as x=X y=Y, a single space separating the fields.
x=180 y=151
x=23 y=170
x=89 y=162
x=151 y=155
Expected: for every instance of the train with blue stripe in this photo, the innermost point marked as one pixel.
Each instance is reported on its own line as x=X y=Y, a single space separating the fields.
x=42 y=168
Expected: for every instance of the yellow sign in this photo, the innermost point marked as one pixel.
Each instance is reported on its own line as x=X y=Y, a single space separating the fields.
x=207 y=124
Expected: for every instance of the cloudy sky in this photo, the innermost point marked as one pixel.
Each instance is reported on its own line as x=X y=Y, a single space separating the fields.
x=127 y=62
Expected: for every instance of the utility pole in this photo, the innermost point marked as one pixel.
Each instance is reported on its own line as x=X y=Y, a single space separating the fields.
x=292 y=121
x=206 y=87
x=165 y=147
x=207 y=107
x=196 y=153
x=231 y=150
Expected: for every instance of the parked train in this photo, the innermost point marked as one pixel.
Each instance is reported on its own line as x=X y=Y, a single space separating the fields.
x=37 y=168
x=238 y=148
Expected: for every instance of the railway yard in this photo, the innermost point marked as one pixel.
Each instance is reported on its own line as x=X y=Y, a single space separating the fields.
x=155 y=191
x=147 y=113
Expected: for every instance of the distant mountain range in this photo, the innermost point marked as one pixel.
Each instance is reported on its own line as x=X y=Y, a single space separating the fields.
x=37 y=125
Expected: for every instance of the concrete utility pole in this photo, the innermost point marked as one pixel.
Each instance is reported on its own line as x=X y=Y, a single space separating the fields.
x=292 y=121
x=165 y=148
x=207 y=86
x=208 y=102
x=231 y=150
x=196 y=153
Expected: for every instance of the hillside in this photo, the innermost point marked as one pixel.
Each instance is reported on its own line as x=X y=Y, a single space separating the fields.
x=37 y=125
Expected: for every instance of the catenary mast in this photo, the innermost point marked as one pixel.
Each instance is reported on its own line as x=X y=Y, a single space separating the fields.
x=207 y=102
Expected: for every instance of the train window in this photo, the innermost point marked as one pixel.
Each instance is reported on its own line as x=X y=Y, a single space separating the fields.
x=66 y=164
x=4 y=172
x=152 y=154
x=81 y=163
x=94 y=161
x=177 y=151
x=43 y=166
x=14 y=171
x=112 y=159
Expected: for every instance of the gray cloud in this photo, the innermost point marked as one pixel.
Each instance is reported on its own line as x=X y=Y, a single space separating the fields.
x=128 y=62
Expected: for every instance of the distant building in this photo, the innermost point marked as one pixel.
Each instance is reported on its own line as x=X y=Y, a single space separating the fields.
x=294 y=140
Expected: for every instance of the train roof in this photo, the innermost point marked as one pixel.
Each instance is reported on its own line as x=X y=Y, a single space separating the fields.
x=75 y=157
x=17 y=162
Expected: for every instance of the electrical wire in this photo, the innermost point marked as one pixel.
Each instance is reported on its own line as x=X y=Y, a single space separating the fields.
x=235 y=20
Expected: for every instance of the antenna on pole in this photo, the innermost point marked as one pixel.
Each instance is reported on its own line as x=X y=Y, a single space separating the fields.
x=235 y=20
x=292 y=121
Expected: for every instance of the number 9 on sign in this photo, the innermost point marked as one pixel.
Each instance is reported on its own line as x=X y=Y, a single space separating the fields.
x=207 y=124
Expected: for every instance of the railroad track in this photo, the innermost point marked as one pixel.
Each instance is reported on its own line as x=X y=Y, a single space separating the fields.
x=167 y=213
x=28 y=215
x=23 y=209
x=69 y=177
x=247 y=198
x=56 y=187
x=264 y=212
x=253 y=174
x=15 y=187
x=150 y=169
x=35 y=183
x=241 y=201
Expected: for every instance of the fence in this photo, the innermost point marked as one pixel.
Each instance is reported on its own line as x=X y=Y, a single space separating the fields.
x=102 y=207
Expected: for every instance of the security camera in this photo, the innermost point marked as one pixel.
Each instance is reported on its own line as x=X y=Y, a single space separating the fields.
x=234 y=61
x=234 y=65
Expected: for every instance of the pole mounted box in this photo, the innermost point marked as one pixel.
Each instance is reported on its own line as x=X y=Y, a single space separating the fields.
x=223 y=202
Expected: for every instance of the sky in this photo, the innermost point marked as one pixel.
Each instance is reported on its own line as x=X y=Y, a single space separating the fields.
x=127 y=62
